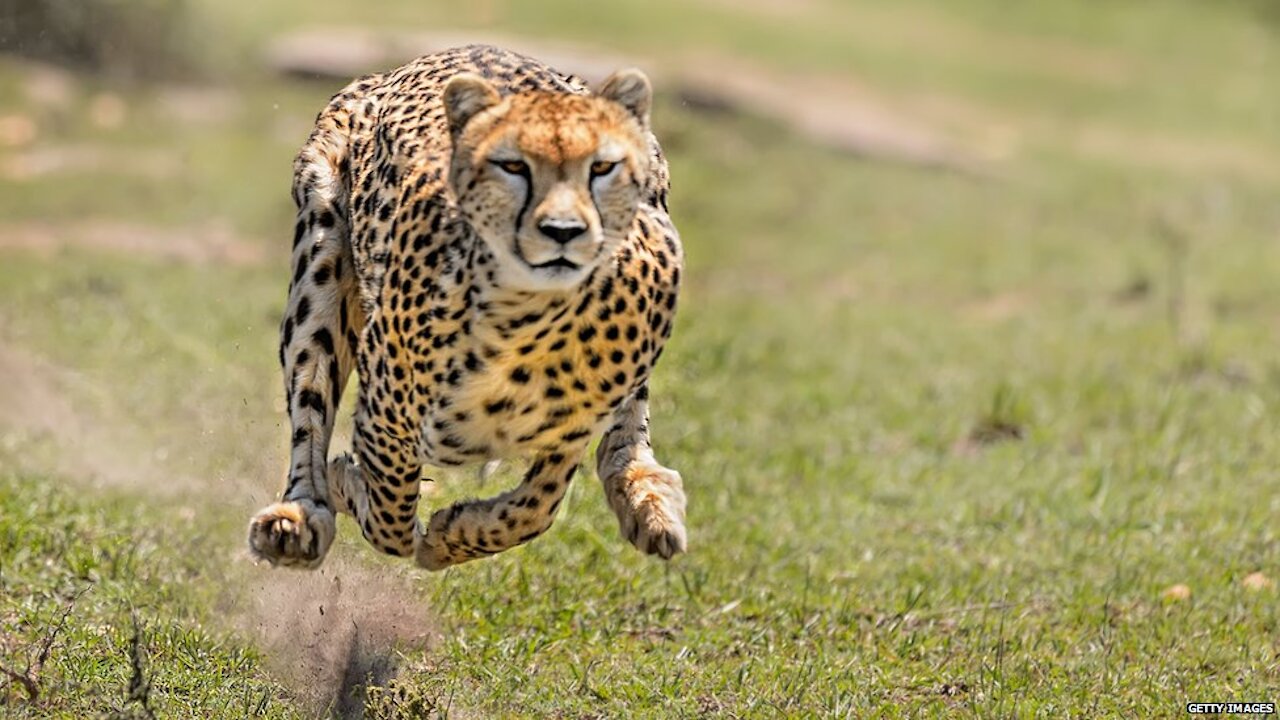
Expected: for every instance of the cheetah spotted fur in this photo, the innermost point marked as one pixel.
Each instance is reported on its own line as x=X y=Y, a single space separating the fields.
x=486 y=243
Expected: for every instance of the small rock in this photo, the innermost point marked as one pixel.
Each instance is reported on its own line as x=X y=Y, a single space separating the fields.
x=1176 y=593
x=107 y=111
x=16 y=130
x=1257 y=581
x=49 y=86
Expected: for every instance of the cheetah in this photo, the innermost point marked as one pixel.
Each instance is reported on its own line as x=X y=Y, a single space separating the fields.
x=486 y=243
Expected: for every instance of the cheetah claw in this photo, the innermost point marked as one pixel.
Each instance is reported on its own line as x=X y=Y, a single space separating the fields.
x=292 y=534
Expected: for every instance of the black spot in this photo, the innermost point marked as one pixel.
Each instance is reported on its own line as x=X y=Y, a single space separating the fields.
x=303 y=311
x=325 y=339
x=454 y=512
x=311 y=399
x=520 y=375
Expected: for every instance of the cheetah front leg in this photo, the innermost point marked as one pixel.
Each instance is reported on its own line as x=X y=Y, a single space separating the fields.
x=322 y=321
x=478 y=528
x=647 y=497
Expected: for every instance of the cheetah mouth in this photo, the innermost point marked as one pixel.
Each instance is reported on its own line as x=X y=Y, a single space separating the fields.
x=559 y=263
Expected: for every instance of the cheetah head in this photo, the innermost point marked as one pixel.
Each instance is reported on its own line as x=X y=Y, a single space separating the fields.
x=550 y=181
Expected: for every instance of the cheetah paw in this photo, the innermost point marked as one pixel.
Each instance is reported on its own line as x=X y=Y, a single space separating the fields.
x=650 y=504
x=430 y=549
x=292 y=534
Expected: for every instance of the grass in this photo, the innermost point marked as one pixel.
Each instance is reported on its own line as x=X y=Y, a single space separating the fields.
x=948 y=442
x=86 y=586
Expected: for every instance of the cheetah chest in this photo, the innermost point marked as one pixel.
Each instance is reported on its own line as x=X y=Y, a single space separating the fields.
x=529 y=396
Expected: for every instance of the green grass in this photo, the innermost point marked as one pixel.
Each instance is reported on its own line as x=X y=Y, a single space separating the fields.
x=101 y=596
x=947 y=441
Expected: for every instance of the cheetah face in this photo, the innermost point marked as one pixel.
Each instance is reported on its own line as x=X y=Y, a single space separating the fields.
x=551 y=182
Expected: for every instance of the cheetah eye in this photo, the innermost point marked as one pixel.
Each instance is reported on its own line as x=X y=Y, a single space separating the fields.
x=600 y=168
x=512 y=167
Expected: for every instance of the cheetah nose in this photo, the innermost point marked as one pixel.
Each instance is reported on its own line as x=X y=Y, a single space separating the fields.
x=561 y=231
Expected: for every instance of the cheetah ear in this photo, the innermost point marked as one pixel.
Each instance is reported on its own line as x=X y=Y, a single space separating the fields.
x=631 y=89
x=464 y=96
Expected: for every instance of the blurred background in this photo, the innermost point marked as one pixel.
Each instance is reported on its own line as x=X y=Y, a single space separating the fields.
x=973 y=386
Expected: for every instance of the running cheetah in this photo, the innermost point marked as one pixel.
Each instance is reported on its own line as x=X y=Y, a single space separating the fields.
x=486 y=242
